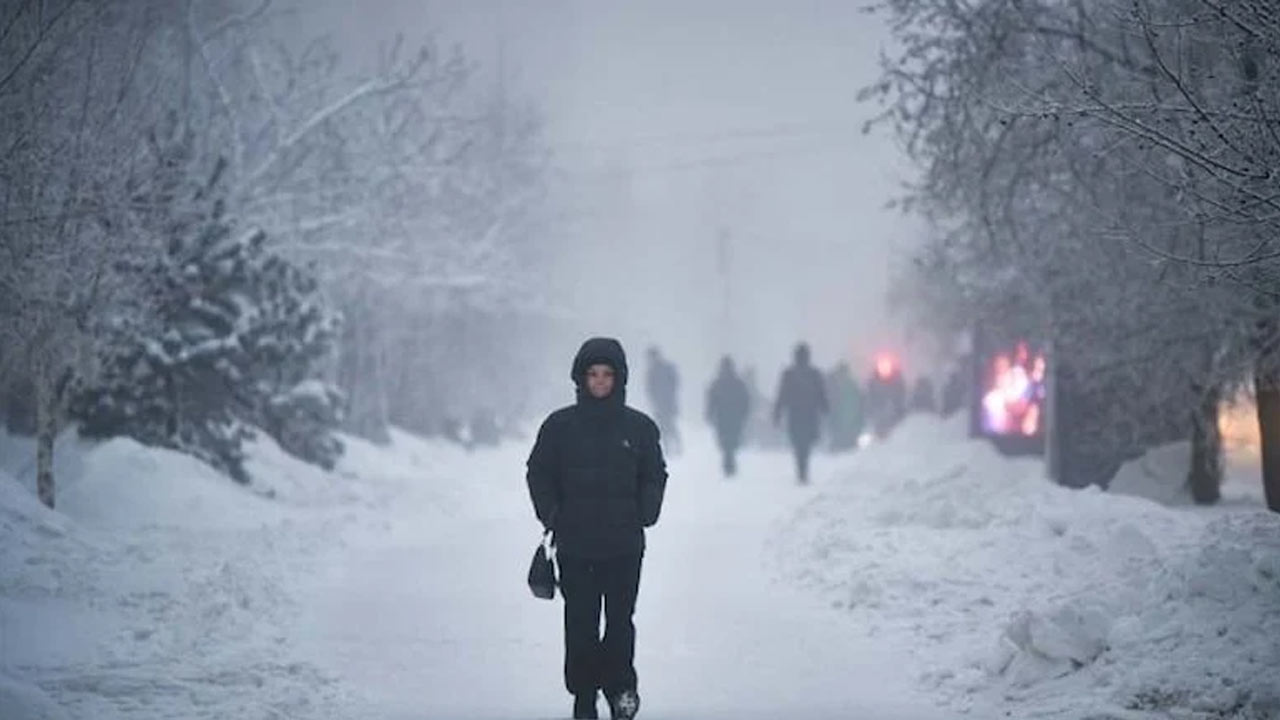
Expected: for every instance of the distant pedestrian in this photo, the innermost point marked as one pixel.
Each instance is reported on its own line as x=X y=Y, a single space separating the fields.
x=728 y=406
x=886 y=397
x=662 y=381
x=802 y=400
x=924 y=398
x=845 y=420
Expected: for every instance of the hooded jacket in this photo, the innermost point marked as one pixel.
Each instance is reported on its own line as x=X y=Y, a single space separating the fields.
x=728 y=405
x=801 y=398
x=596 y=473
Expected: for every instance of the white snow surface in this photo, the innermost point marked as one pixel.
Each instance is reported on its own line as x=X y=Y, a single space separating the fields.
x=925 y=577
x=392 y=587
x=1021 y=598
x=159 y=588
x=433 y=619
x=1161 y=475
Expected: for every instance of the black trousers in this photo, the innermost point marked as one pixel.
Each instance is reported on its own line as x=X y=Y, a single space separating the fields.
x=729 y=440
x=591 y=661
x=801 y=449
x=729 y=463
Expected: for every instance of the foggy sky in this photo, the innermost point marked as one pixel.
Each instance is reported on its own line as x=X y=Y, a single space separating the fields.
x=672 y=120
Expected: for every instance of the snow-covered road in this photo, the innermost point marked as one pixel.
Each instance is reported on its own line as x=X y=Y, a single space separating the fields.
x=432 y=620
x=922 y=578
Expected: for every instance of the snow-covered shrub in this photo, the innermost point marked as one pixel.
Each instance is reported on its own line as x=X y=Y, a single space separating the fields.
x=229 y=339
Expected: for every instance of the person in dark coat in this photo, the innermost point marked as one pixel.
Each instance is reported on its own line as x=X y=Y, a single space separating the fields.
x=803 y=400
x=597 y=478
x=728 y=405
x=886 y=397
x=955 y=390
x=662 y=381
x=923 y=397
x=844 y=422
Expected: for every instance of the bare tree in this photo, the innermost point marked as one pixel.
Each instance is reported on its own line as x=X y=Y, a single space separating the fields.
x=402 y=185
x=1078 y=156
x=411 y=189
x=76 y=84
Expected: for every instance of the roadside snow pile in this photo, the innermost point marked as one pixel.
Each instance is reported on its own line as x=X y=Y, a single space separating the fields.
x=124 y=484
x=1203 y=636
x=43 y=553
x=46 y=559
x=1161 y=475
x=21 y=701
x=160 y=588
x=1016 y=593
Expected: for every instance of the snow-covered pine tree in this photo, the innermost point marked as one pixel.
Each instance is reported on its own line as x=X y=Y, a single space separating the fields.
x=293 y=333
x=231 y=338
x=176 y=374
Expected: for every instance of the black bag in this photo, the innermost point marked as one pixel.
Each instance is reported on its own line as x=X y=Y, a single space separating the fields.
x=542 y=572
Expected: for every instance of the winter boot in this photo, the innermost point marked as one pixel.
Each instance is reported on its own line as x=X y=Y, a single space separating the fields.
x=624 y=705
x=584 y=707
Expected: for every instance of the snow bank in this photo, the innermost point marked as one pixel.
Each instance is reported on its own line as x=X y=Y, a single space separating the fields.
x=23 y=701
x=160 y=588
x=123 y=483
x=120 y=483
x=1012 y=590
x=18 y=456
x=42 y=552
x=1161 y=476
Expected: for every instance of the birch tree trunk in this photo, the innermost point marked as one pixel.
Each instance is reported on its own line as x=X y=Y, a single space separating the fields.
x=1267 y=387
x=46 y=435
x=1205 y=474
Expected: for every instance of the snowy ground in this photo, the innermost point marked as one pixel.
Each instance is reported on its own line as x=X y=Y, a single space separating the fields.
x=923 y=578
x=393 y=588
x=160 y=589
x=1022 y=598
x=433 y=619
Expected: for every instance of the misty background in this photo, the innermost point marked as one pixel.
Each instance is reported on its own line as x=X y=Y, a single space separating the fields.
x=711 y=189
x=286 y=285
x=223 y=217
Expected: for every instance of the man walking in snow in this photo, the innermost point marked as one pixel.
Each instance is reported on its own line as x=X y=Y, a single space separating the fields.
x=597 y=478
x=728 y=404
x=802 y=399
x=663 y=385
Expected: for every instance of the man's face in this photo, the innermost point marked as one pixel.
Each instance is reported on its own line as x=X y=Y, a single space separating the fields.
x=600 y=380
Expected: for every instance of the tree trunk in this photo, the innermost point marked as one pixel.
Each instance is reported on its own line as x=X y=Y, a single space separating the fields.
x=46 y=433
x=361 y=376
x=18 y=405
x=1205 y=473
x=1267 y=388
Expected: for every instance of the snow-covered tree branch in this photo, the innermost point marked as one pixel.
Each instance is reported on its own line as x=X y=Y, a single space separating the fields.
x=1100 y=173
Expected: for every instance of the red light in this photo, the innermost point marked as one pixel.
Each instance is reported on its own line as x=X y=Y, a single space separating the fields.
x=886 y=365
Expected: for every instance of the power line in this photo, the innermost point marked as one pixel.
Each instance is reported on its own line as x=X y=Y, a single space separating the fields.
x=720 y=161
x=781 y=131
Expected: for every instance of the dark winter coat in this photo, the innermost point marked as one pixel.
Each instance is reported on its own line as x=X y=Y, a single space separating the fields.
x=803 y=400
x=886 y=401
x=953 y=393
x=596 y=474
x=663 y=385
x=924 y=397
x=728 y=404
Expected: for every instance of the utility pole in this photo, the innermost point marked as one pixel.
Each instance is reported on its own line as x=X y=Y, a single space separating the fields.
x=724 y=268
